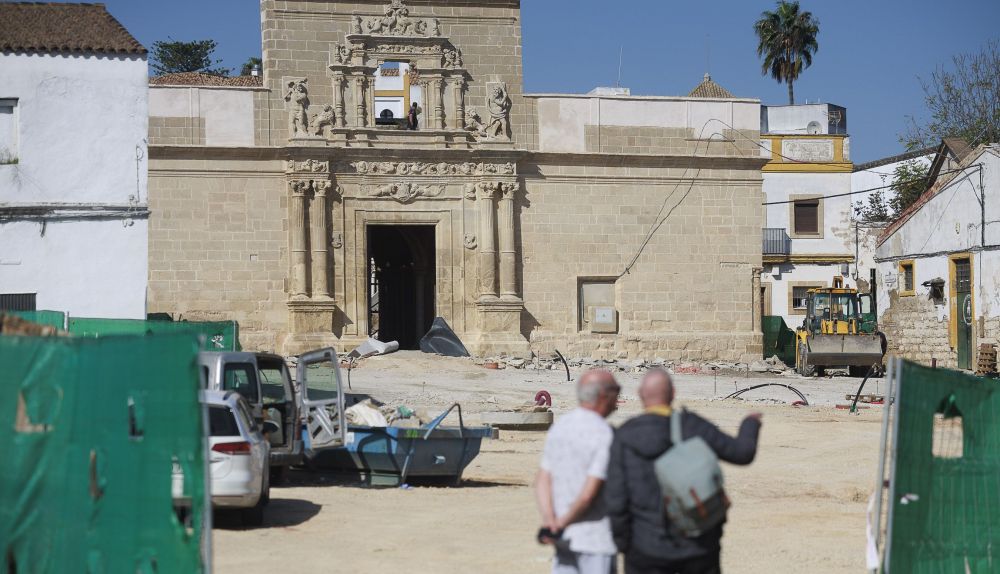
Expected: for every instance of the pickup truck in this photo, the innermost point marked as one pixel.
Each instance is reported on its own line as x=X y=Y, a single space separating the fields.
x=265 y=381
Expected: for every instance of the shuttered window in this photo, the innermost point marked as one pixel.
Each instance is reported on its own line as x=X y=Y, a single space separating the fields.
x=806 y=215
x=17 y=302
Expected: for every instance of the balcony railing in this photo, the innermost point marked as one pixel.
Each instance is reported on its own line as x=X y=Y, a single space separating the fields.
x=776 y=241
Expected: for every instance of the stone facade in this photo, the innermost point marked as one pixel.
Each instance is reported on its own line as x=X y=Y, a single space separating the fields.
x=917 y=329
x=280 y=236
x=176 y=130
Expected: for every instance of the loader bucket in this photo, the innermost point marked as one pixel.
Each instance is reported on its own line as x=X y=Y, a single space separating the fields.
x=845 y=350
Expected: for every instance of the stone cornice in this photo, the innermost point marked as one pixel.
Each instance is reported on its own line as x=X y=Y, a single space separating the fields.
x=644 y=160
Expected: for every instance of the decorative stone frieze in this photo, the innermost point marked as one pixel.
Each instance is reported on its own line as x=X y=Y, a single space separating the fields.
x=396 y=21
x=403 y=192
x=428 y=168
x=309 y=166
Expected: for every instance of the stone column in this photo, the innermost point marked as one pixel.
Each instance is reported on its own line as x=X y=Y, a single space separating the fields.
x=370 y=99
x=338 y=99
x=359 y=100
x=505 y=231
x=755 y=323
x=297 y=227
x=438 y=104
x=318 y=226
x=487 y=243
x=458 y=110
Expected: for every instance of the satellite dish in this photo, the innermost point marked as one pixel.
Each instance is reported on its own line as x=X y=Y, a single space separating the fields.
x=814 y=128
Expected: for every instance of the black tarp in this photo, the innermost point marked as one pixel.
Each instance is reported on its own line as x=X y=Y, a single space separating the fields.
x=442 y=340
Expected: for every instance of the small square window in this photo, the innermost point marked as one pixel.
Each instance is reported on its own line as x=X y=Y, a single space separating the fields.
x=798 y=297
x=8 y=131
x=906 y=278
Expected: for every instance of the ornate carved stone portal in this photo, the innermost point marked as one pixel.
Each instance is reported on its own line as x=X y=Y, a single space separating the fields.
x=419 y=177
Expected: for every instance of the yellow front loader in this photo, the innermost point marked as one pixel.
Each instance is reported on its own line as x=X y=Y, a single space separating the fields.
x=840 y=331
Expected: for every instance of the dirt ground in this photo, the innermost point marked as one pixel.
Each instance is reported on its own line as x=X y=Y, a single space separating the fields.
x=800 y=507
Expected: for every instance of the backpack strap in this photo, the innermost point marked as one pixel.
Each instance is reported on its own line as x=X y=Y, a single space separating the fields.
x=676 y=436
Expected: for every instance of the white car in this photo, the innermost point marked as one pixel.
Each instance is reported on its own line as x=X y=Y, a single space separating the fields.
x=238 y=457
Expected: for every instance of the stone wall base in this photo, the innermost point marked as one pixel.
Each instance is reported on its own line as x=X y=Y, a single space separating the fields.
x=735 y=346
x=311 y=324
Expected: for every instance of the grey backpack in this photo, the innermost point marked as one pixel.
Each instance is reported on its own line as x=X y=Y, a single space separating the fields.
x=691 y=483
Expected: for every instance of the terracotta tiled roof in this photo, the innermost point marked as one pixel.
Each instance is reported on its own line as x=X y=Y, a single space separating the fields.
x=709 y=89
x=894 y=158
x=200 y=79
x=58 y=27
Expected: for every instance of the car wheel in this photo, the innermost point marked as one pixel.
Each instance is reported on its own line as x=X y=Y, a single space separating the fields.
x=254 y=516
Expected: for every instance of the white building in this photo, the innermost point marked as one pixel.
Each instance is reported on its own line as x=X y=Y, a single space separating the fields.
x=808 y=235
x=878 y=175
x=939 y=263
x=73 y=115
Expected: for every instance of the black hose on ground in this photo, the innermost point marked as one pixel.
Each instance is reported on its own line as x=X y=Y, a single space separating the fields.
x=857 y=395
x=565 y=364
x=789 y=387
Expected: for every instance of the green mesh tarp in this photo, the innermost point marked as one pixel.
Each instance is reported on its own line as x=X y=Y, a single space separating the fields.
x=55 y=319
x=91 y=430
x=778 y=339
x=219 y=335
x=946 y=498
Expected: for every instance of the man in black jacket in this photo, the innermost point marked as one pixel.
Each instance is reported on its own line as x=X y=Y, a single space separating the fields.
x=634 y=501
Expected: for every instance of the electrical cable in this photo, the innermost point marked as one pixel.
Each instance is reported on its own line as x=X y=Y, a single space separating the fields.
x=789 y=387
x=870 y=189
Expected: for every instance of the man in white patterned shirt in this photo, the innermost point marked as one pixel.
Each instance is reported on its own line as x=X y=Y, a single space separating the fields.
x=573 y=469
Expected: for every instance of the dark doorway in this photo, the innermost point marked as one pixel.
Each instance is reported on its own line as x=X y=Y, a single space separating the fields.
x=401 y=277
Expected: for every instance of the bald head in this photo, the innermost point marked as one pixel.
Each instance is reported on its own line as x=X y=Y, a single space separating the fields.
x=657 y=388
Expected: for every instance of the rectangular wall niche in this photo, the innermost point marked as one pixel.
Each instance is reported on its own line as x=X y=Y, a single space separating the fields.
x=598 y=308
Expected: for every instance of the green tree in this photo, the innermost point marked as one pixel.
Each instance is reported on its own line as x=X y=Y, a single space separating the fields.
x=875 y=210
x=963 y=101
x=787 y=42
x=171 y=57
x=909 y=184
x=249 y=66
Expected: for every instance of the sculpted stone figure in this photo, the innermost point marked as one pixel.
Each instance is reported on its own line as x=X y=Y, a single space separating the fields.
x=396 y=21
x=474 y=123
x=324 y=119
x=355 y=24
x=435 y=28
x=341 y=53
x=499 y=105
x=298 y=107
x=452 y=58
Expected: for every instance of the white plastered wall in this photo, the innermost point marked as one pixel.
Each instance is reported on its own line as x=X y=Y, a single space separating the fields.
x=227 y=111
x=82 y=124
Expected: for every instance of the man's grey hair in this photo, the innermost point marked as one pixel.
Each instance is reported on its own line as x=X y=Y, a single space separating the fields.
x=592 y=384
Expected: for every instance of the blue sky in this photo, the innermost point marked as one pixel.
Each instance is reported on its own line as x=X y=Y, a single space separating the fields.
x=871 y=51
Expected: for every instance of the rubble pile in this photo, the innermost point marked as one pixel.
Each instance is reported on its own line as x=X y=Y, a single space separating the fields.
x=771 y=365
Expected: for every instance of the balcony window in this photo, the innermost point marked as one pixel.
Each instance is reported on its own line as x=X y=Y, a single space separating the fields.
x=806 y=215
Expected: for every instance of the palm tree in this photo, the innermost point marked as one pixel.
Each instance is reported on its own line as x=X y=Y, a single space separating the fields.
x=787 y=41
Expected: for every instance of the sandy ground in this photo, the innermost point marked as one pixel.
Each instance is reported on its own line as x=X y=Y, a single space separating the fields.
x=798 y=508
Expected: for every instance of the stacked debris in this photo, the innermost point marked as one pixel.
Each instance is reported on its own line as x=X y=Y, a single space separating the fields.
x=772 y=365
x=14 y=325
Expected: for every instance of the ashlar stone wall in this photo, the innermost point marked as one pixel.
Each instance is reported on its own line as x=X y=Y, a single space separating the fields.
x=688 y=295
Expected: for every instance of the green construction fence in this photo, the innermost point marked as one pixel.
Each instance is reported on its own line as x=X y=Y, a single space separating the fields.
x=219 y=335
x=778 y=339
x=93 y=429
x=945 y=504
